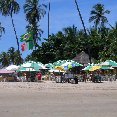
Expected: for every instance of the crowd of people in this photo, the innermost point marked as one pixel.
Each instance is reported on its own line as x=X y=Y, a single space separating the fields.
x=61 y=77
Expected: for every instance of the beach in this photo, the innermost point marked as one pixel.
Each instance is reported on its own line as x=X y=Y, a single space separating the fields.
x=50 y=99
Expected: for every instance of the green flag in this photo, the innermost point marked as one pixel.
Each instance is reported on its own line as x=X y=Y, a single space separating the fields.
x=30 y=45
x=27 y=37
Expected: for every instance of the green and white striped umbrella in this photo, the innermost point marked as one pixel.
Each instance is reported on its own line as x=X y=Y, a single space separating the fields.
x=49 y=66
x=109 y=63
x=31 y=66
x=88 y=67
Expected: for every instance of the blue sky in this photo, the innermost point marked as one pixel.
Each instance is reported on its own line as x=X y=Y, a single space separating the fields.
x=63 y=14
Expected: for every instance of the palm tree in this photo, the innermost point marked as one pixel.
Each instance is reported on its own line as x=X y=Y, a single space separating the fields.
x=80 y=16
x=98 y=15
x=34 y=12
x=88 y=46
x=4 y=59
x=12 y=56
x=2 y=29
x=18 y=59
x=8 y=8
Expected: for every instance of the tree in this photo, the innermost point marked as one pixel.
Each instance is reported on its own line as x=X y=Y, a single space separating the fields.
x=34 y=12
x=85 y=32
x=18 y=59
x=8 y=8
x=12 y=56
x=4 y=59
x=110 y=45
x=98 y=13
x=2 y=30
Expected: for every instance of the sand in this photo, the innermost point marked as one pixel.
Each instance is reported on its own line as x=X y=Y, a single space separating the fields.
x=50 y=99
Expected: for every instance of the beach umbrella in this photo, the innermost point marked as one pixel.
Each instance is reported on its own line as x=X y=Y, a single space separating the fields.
x=12 y=67
x=88 y=67
x=59 y=62
x=109 y=63
x=95 y=67
x=41 y=66
x=31 y=66
x=70 y=64
x=106 y=67
x=49 y=66
x=26 y=69
x=60 y=68
x=54 y=70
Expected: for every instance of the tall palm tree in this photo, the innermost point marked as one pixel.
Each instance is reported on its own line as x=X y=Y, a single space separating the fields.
x=98 y=15
x=34 y=12
x=2 y=30
x=77 y=6
x=8 y=8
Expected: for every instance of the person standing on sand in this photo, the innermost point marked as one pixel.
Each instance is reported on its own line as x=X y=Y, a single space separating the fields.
x=39 y=76
x=84 y=77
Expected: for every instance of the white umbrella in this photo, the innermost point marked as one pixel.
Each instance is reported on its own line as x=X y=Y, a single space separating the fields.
x=12 y=67
x=54 y=70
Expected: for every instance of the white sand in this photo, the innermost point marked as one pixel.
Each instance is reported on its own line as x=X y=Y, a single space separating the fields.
x=50 y=99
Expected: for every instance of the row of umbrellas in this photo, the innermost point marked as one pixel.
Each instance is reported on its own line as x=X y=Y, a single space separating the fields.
x=108 y=64
x=57 y=66
x=60 y=65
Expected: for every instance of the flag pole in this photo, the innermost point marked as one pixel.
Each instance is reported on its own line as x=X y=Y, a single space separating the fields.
x=49 y=20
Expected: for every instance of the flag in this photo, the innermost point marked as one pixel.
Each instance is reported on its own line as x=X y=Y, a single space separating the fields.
x=30 y=45
x=27 y=37
x=23 y=47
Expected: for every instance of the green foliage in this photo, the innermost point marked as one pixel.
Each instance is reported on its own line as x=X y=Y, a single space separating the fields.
x=34 y=12
x=98 y=13
x=8 y=8
x=68 y=43
x=12 y=56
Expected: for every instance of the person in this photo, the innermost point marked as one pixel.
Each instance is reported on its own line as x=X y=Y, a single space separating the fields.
x=24 y=78
x=52 y=76
x=84 y=77
x=39 y=76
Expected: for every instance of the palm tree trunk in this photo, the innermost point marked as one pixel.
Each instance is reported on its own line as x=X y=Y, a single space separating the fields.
x=84 y=28
x=15 y=31
x=81 y=17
